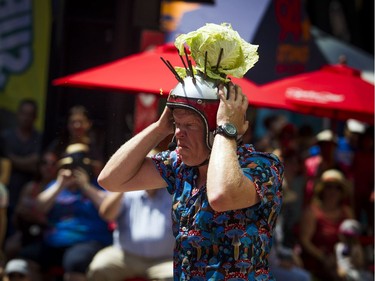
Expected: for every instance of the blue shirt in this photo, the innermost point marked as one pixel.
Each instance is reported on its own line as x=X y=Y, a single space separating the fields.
x=214 y=245
x=74 y=219
x=344 y=153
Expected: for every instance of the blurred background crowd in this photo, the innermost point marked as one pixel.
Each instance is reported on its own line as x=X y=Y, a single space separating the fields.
x=53 y=145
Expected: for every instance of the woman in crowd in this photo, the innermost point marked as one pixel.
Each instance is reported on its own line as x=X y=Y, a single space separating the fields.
x=319 y=226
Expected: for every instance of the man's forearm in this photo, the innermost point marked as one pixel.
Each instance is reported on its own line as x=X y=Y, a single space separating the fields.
x=227 y=187
x=222 y=172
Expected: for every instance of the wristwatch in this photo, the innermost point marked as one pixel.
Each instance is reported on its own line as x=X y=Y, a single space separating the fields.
x=227 y=130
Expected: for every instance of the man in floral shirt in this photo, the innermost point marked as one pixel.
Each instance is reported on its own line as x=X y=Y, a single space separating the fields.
x=218 y=245
x=226 y=196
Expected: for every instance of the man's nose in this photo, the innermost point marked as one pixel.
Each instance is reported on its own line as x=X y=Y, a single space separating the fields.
x=179 y=132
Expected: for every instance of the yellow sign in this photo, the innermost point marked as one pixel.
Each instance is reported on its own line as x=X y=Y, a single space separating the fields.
x=24 y=53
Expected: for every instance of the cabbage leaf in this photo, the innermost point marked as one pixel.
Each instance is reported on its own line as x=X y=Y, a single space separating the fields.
x=238 y=56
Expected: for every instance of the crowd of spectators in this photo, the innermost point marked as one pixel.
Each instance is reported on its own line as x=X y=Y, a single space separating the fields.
x=57 y=222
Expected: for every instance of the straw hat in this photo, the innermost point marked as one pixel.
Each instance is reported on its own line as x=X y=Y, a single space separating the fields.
x=326 y=136
x=332 y=176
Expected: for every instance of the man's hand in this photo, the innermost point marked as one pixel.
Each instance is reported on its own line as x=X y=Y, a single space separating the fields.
x=165 y=121
x=232 y=108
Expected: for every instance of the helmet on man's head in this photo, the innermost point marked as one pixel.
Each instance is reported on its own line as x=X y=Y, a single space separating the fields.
x=218 y=52
x=200 y=97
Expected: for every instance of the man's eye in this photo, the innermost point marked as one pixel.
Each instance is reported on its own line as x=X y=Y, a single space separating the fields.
x=193 y=126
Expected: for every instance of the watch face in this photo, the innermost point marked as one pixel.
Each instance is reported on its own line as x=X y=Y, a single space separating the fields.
x=230 y=130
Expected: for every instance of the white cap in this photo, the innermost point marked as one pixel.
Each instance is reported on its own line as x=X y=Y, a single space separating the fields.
x=350 y=227
x=326 y=136
x=17 y=266
x=355 y=126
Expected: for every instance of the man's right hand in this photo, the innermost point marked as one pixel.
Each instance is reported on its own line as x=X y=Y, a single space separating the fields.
x=165 y=121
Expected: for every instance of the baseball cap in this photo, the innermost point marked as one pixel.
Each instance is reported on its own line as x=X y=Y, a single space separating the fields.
x=17 y=266
x=355 y=126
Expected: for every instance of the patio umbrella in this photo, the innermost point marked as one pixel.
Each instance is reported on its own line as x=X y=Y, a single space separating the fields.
x=335 y=91
x=145 y=72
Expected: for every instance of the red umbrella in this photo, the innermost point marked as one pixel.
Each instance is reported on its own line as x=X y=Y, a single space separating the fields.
x=139 y=73
x=334 y=91
x=142 y=72
x=145 y=72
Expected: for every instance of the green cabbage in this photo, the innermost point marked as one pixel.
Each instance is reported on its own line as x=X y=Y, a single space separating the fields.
x=237 y=58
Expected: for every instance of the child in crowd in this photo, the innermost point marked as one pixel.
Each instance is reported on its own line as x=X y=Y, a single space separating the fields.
x=350 y=256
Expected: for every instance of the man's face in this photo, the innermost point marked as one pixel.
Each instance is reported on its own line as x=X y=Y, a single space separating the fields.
x=190 y=135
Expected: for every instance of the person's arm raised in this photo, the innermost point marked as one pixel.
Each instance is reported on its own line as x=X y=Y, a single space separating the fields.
x=227 y=187
x=129 y=168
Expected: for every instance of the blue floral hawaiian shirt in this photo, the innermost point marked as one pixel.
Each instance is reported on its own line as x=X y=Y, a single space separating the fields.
x=231 y=245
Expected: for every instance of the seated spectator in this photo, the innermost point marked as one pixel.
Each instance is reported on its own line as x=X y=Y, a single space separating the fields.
x=74 y=232
x=28 y=220
x=319 y=226
x=17 y=269
x=143 y=239
x=350 y=257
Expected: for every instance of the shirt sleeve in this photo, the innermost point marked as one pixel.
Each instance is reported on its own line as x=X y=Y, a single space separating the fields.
x=265 y=170
x=166 y=163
